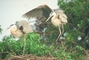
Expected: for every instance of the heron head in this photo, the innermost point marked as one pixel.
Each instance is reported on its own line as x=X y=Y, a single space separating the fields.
x=51 y=15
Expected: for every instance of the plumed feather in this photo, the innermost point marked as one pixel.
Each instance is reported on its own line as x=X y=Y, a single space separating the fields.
x=62 y=16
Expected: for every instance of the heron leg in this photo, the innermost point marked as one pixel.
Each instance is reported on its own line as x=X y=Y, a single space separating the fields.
x=59 y=34
x=57 y=39
x=24 y=45
x=62 y=29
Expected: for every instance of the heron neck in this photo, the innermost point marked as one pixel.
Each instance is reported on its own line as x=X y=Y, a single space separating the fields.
x=54 y=17
x=13 y=29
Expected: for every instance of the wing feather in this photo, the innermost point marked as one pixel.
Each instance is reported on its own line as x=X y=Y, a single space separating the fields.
x=26 y=27
x=40 y=11
x=62 y=16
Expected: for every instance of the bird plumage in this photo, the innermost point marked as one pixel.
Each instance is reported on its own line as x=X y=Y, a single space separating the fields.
x=16 y=30
x=38 y=12
x=55 y=21
x=61 y=16
x=26 y=26
x=44 y=11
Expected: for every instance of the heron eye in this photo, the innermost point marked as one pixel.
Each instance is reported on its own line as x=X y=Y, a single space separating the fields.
x=21 y=27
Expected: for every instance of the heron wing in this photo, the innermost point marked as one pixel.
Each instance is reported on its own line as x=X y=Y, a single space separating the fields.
x=26 y=27
x=40 y=11
x=61 y=16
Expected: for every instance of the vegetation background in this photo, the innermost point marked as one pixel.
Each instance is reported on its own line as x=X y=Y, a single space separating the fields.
x=73 y=46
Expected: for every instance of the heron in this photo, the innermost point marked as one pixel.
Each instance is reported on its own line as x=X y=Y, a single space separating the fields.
x=42 y=13
x=21 y=28
x=58 y=19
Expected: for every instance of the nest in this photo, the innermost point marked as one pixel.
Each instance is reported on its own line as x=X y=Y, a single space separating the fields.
x=31 y=57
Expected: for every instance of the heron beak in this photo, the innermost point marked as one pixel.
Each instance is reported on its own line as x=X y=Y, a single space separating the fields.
x=7 y=29
x=48 y=18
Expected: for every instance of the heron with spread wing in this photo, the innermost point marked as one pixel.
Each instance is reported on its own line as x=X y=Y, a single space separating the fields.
x=21 y=28
x=44 y=13
x=58 y=19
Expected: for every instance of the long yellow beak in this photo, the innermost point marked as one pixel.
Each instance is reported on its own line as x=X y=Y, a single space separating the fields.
x=7 y=29
x=48 y=18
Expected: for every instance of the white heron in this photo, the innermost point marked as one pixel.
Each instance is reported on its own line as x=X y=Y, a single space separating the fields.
x=21 y=28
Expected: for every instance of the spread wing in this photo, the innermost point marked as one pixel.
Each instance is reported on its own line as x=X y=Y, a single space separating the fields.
x=26 y=28
x=40 y=11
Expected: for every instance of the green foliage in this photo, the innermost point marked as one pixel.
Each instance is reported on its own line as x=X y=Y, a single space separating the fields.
x=80 y=48
x=0 y=29
x=53 y=33
x=33 y=45
x=78 y=19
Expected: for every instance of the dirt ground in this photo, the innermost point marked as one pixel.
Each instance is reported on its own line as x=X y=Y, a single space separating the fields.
x=30 y=57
